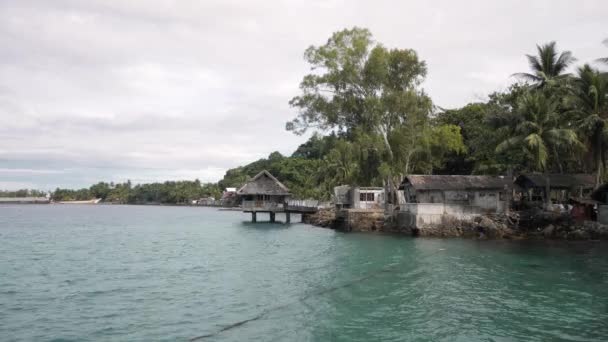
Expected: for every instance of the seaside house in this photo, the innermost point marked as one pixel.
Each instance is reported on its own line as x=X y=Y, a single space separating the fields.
x=263 y=193
x=229 y=198
x=352 y=197
x=434 y=200
x=531 y=187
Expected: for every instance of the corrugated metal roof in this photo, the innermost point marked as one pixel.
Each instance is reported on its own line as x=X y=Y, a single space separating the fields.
x=454 y=182
x=264 y=184
x=563 y=181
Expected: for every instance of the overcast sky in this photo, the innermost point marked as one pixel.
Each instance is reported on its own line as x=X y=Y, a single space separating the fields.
x=167 y=90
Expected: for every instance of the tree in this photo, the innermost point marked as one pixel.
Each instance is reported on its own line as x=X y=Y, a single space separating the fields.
x=357 y=83
x=537 y=132
x=549 y=66
x=605 y=59
x=591 y=108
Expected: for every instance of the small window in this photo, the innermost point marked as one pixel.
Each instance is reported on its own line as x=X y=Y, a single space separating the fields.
x=366 y=197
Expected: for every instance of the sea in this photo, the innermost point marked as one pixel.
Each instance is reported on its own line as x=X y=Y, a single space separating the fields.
x=163 y=273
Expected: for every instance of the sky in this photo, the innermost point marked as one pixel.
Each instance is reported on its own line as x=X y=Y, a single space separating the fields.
x=161 y=90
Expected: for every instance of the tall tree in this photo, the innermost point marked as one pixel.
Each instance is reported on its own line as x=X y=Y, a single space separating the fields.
x=548 y=66
x=538 y=133
x=605 y=59
x=591 y=108
x=357 y=83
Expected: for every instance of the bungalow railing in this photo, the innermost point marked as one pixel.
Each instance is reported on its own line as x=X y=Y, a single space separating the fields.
x=262 y=205
x=302 y=205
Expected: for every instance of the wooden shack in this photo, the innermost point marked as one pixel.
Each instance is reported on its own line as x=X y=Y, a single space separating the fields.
x=532 y=186
x=485 y=192
x=264 y=193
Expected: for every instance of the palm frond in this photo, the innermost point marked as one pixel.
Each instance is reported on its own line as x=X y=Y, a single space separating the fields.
x=527 y=77
x=509 y=143
x=536 y=146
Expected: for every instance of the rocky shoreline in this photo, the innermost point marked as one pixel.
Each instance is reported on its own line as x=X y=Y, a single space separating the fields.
x=517 y=225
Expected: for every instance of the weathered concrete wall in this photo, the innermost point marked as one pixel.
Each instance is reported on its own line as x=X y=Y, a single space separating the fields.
x=432 y=216
x=359 y=220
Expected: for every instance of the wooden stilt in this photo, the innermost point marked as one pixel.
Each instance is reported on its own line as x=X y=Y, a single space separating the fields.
x=253 y=217
x=288 y=217
x=272 y=216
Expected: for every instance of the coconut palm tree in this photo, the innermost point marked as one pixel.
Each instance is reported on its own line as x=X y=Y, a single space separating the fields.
x=605 y=59
x=538 y=133
x=548 y=66
x=590 y=92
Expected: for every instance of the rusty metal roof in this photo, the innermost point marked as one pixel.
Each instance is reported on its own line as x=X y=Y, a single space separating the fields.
x=264 y=183
x=454 y=182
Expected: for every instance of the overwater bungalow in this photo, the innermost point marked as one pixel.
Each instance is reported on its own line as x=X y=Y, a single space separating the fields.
x=263 y=193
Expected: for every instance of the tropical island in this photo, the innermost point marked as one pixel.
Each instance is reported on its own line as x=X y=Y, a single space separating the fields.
x=374 y=125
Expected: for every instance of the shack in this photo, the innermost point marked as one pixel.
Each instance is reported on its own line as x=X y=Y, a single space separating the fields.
x=435 y=200
x=531 y=187
x=353 y=197
x=600 y=195
x=264 y=193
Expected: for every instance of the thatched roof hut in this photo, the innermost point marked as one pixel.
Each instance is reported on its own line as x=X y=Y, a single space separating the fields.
x=264 y=183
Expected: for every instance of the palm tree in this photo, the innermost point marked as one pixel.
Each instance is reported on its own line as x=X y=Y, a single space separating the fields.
x=538 y=133
x=548 y=66
x=605 y=59
x=591 y=97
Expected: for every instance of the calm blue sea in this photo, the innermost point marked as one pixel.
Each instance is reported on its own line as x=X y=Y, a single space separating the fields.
x=150 y=273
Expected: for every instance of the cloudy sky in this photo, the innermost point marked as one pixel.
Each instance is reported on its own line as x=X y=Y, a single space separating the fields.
x=164 y=90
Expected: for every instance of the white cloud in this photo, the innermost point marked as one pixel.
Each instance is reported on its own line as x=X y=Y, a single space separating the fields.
x=112 y=90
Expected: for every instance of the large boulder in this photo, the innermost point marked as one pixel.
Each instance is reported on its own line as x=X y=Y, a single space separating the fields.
x=549 y=231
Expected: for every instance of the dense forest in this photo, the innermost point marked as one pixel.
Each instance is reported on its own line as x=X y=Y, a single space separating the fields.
x=373 y=122
x=380 y=124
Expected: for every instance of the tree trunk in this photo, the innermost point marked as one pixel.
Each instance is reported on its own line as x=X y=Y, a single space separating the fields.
x=547 y=190
x=559 y=164
x=598 y=158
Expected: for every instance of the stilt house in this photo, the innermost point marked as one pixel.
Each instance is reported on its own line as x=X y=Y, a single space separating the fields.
x=263 y=193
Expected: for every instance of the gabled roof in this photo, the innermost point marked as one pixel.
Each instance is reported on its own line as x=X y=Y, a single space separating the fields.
x=264 y=184
x=556 y=181
x=454 y=182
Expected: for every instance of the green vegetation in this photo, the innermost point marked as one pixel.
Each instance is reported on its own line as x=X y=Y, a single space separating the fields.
x=373 y=123
x=23 y=193
x=181 y=192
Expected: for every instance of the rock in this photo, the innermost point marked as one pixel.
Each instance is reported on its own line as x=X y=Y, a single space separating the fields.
x=579 y=234
x=548 y=231
x=487 y=224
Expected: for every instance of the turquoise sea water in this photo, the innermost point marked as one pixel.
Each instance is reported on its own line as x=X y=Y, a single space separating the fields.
x=147 y=273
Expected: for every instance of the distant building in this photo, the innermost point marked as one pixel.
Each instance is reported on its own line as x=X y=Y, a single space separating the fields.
x=25 y=200
x=229 y=198
x=352 y=197
x=206 y=201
